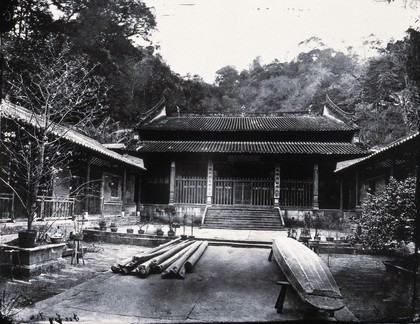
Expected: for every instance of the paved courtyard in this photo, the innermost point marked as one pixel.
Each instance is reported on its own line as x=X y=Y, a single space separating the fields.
x=228 y=284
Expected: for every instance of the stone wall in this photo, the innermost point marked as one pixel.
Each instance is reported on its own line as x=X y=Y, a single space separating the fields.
x=160 y=213
x=124 y=238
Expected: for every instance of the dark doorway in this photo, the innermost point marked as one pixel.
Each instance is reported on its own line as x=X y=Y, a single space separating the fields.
x=243 y=193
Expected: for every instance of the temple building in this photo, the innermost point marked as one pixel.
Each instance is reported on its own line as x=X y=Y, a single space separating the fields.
x=243 y=171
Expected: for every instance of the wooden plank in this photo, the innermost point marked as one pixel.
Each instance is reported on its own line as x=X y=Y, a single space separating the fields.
x=307 y=274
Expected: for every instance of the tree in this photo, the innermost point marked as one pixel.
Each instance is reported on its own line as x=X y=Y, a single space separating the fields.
x=105 y=30
x=129 y=18
x=60 y=91
x=390 y=92
x=387 y=217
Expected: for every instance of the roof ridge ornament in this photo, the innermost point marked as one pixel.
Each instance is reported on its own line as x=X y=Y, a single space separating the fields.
x=243 y=111
x=157 y=111
x=334 y=112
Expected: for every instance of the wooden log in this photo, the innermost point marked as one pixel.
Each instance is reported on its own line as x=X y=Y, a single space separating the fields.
x=117 y=267
x=156 y=252
x=189 y=264
x=145 y=268
x=127 y=265
x=171 y=252
x=174 y=269
x=165 y=264
x=136 y=266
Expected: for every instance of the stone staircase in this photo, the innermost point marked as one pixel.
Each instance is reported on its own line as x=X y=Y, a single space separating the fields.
x=250 y=217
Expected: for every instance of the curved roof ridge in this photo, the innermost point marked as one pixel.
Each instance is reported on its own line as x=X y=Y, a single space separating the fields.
x=247 y=123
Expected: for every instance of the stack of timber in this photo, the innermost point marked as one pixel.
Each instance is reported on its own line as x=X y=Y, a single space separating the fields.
x=171 y=260
x=307 y=274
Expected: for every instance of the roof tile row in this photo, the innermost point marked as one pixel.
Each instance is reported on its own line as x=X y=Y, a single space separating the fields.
x=232 y=124
x=250 y=147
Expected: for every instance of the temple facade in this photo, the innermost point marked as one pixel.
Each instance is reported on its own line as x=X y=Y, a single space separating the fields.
x=198 y=164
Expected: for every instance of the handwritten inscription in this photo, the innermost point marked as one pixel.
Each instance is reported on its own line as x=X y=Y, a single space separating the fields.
x=57 y=318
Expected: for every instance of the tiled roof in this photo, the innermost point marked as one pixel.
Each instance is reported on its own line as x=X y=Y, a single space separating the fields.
x=249 y=147
x=24 y=115
x=226 y=124
x=387 y=149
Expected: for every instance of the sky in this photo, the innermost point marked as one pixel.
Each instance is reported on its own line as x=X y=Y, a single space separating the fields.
x=202 y=36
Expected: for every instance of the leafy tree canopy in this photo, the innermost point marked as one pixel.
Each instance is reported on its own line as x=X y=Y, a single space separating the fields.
x=387 y=218
x=383 y=92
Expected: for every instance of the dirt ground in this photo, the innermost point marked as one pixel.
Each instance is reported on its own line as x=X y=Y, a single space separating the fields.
x=17 y=294
x=361 y=277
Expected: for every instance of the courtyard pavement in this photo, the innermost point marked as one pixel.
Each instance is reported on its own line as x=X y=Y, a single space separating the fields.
x=228 y=284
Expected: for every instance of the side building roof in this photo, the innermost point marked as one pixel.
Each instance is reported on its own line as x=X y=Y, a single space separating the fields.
x=11 y=111
x=402 y=149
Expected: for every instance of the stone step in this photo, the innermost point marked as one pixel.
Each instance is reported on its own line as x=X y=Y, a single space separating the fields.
x=245 y=221
x=243 y=227
x=242 y=218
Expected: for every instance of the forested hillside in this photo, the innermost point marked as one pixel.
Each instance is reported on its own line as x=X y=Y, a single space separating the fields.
x=101 y=37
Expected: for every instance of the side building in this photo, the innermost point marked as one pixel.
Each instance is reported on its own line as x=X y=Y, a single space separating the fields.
x=372 y=173
x=96 y=180
x=226 y=170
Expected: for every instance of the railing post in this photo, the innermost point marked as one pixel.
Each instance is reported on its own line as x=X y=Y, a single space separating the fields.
x=42 y=208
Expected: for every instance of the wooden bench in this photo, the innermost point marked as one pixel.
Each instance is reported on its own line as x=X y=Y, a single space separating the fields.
x=283 y=288
x=280 y=299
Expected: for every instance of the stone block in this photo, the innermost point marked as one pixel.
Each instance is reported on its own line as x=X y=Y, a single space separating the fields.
x=28 y=262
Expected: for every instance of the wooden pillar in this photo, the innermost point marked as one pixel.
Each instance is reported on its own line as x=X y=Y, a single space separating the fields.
x=391 y=168
x=102 y=195
x=209 y=199
x=172 y=184
x=341 y=194
x=357 y=191
x=87 y=189
x=138 y=192
x=277 y=185
x=316 y=187
x=124 y=189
